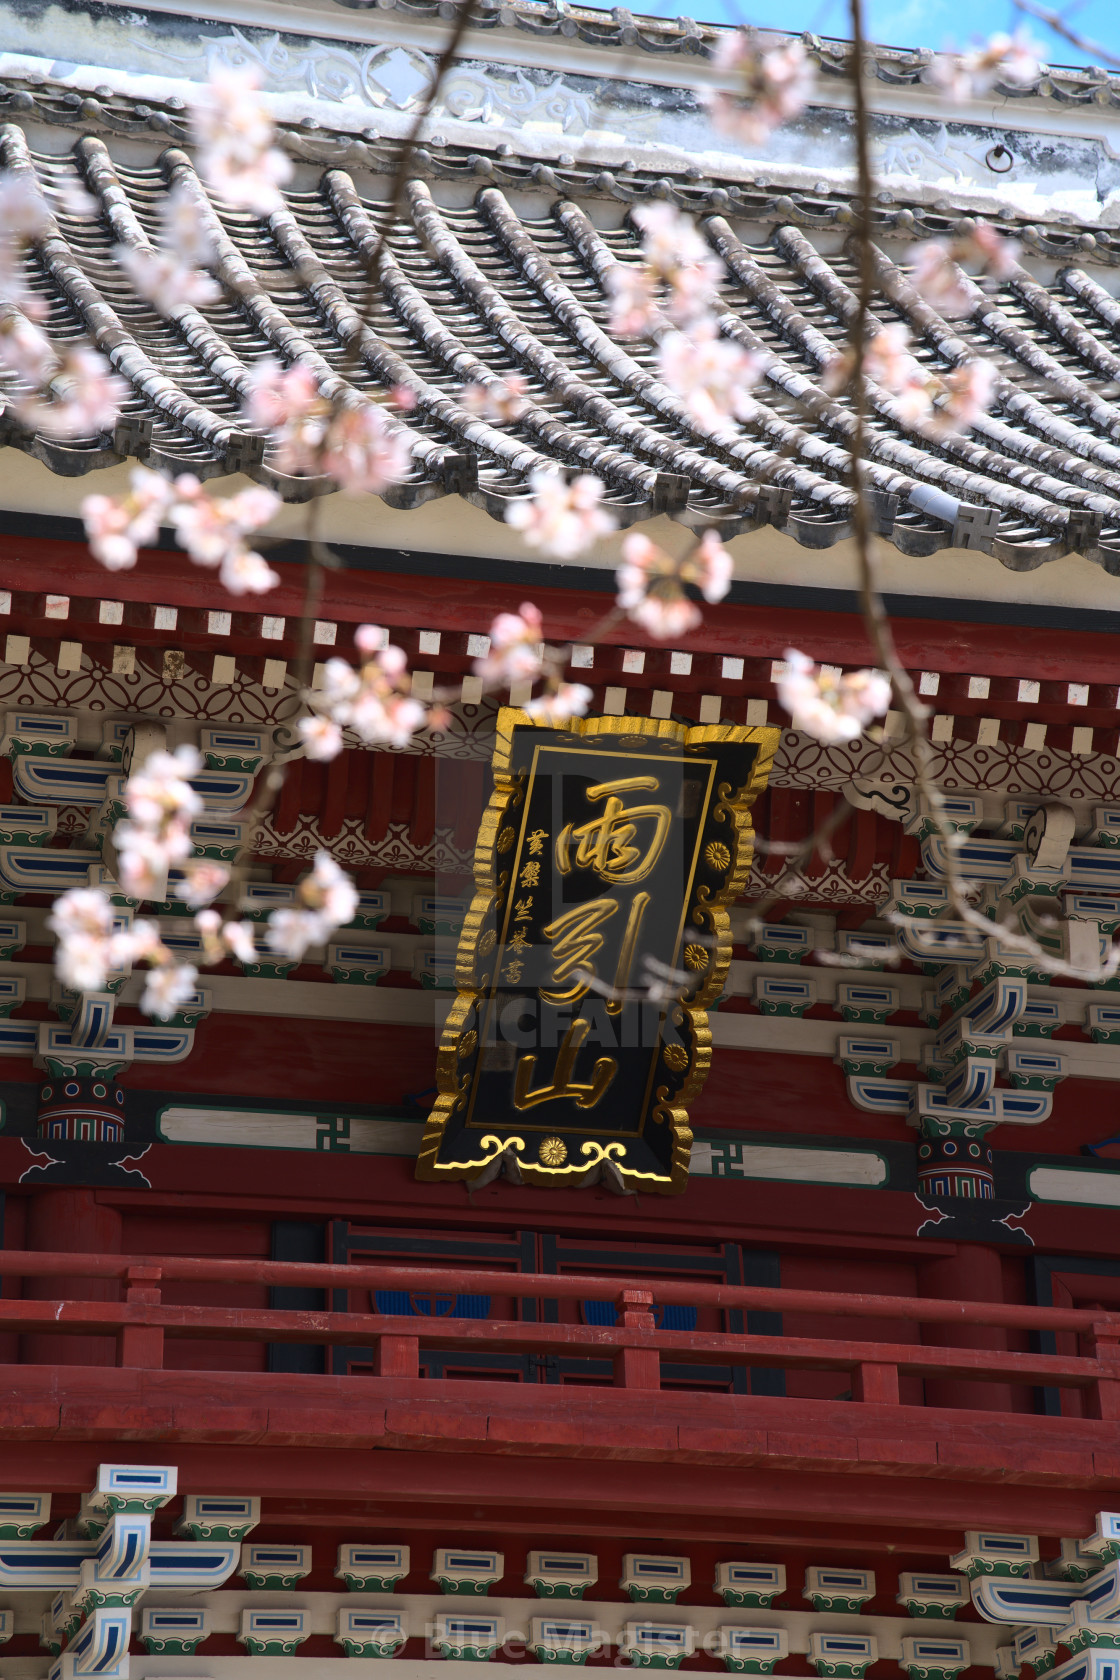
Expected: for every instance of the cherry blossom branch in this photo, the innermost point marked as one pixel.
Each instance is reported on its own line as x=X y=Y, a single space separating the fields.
x=875 y=616
x=1056 y=22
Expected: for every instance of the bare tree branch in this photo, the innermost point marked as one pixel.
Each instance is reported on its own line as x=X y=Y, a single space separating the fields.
x=1056 y=22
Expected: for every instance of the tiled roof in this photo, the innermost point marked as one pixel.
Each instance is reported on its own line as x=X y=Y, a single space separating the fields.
x=480 y=283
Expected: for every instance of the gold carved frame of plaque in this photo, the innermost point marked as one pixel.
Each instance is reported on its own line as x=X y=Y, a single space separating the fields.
x=479 y=1113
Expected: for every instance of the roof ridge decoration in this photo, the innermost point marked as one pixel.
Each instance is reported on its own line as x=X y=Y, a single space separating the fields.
x=767 y=192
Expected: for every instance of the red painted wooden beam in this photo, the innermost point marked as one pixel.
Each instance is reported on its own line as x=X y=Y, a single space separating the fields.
x=457 y=603
x=542 y=1449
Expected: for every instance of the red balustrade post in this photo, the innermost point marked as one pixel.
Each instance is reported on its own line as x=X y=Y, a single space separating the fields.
x=876 y=1384
x=637 y=1367
x=396 y=1356
x=972 y=1273
x=72 y=1221
x=1104 y=1397
x=141 y=1345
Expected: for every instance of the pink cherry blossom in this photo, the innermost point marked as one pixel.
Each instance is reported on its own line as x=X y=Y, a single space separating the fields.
x=1009 y=59
x=997 y=254
x=556 y=706
x=633 y=305
x=969 y=390
x=82 y=923
x=363 y=450
x=277 y=395
x=118 y=526
x=887 y=362
x=23 y=215
x=677 y=255
x=183 y=228
x=828 y=707
x=649 y=590
x=23 y=219
x=375 y=702
x=245 y=572
x=213 y=529
x=713 y=566
x=164 y=281
x=321 y=737
x=87 y=397
x=516 y=648
x=770 y=87
x=241 y=938
x=937 y=267
x=936 y=277
x=666 y=616
x=168 y=986
x=160 y=789
x=561 y=517
x=327 y=900
x=502 y=401
x=203 y=879
x=237 y=157
x=712 y=375
x=25 y=349
x=670 y=239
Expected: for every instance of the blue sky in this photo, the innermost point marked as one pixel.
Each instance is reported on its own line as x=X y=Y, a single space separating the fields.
x=910 y=23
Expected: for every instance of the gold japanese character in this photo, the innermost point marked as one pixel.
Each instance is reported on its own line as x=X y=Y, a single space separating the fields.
x=607 y=844
x=576 y=941
x=536 y=843
x=531 y=875
x=584 y=1095
x=518 y=942
x=523 y=909
x=512 y=971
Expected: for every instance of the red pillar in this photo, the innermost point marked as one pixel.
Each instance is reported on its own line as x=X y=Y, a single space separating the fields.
x=972 y=1273
x=72 y=1221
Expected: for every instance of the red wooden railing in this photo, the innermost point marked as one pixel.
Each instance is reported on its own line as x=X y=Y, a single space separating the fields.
x=141 y=1321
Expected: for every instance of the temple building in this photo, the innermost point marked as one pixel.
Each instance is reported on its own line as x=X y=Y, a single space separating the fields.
x=769 y=1322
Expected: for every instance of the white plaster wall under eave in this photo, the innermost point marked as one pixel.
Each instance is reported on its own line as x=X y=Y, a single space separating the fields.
x=452 y=526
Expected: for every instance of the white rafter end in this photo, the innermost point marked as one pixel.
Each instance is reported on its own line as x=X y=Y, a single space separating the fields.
x=614 y=702
x=1034 y=737
x=1029 y=691
x=1082 y=744
x=275 y=673
x=941 y=729
x=124 y=661
x=69 y=657
x=661 y=703
x=929 y=682
x=110 y=612
x=711 y=708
